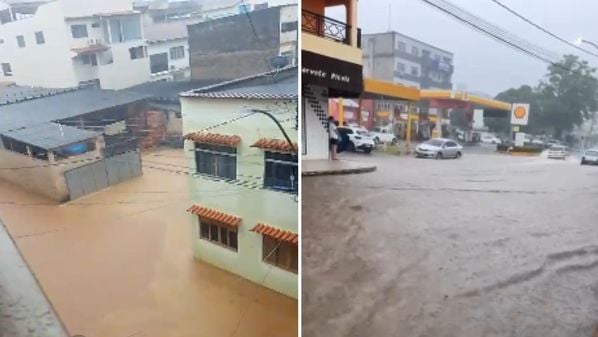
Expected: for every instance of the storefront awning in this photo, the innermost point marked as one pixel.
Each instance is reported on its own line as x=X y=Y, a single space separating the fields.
x=214 y=138
x=208 y=214
x=276 y=233
x=374 y=89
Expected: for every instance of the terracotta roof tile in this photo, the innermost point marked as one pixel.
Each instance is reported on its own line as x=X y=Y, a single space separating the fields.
x=209 y=214
x=276 y=233
x=214 y=138
x=272 y=144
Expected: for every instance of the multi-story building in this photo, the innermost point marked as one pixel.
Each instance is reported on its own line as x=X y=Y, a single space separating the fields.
x=65 y=44
x=331 y=67
x=168 y=49
x=398 y=58
x=244 y=179
x=243 y=45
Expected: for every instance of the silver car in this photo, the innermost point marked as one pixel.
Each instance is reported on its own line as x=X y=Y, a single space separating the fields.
x=590 y=157
x=439 y=148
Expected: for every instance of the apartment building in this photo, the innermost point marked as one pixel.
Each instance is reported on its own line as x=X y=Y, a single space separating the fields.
x=331 y=67
x=398 y=58
x=65 y=44
x=168 y=49
x=245 y=176
x=217 y=9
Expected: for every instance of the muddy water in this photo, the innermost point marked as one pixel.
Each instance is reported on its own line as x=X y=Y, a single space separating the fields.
x=484 y=246
x=119 y=263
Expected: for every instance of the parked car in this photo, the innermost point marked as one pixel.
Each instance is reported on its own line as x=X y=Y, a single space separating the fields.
x=356 y=139
x=590 y=157
x=384 y=134
x=491 y=139
x=558 y=152
x=439 y=148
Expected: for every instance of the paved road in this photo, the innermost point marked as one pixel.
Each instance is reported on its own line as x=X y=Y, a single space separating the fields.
x=489 y=245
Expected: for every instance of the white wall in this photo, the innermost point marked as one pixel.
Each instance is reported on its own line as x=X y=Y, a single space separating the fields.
x=47 y=64
x=253 y=206
x=124 y=72
x=315 y=136
x=164 y=47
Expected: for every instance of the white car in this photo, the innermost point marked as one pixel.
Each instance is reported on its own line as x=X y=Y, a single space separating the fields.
x=439 y=148
x=590 y=157
x=491 y=139
x=384 y=135
x=358 y=139
x=557 y=152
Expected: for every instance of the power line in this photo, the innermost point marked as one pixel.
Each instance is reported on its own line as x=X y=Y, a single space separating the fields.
x=543 y=29
x=544 y=58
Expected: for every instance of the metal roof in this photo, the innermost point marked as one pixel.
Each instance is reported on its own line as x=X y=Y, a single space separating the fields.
x=14 y=94
x=66 y=105
x=51 y=135
x=279 y=84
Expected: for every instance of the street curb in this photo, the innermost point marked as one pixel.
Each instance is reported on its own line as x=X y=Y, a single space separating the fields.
x=339 y=172
x=519 y=154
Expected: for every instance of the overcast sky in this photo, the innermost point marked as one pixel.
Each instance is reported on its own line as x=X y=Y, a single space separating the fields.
x=481 y=63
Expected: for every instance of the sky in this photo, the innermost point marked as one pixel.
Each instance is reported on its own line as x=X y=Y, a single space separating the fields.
x=481 y=63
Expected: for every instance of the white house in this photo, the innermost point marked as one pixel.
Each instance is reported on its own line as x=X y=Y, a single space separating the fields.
x=67 y=43
x=245 y=175
x=168 y=49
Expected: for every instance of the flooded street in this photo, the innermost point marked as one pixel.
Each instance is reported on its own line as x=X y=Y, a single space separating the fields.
x=119 y=262
x=489 y=245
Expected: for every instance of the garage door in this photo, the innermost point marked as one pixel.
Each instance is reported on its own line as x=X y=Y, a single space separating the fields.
x=123 y=167
x=86 y=179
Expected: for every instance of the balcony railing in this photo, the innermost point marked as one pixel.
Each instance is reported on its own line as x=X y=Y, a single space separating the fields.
x=326 y=27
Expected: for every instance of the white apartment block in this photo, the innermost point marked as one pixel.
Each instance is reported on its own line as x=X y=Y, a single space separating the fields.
x=395 y=57
x=168 y=50
x=67 y=43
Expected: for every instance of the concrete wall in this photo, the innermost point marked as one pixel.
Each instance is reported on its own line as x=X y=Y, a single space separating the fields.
x=227 y=48
x=315 y=135
x=254 y=206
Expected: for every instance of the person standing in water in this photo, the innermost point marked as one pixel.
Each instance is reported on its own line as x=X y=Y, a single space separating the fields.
x=333 y=138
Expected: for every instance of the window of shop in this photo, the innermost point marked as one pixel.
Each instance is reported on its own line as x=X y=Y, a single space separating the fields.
x=280 y=254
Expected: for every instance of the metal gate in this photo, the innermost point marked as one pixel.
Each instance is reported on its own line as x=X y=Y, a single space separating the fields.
x=96 y=176
x=123 y=167
x=86 y=179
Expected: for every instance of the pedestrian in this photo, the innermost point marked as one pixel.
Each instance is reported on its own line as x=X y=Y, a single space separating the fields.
x=333 y=137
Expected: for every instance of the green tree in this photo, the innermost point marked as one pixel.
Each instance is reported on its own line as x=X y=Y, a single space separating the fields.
x=568 y=95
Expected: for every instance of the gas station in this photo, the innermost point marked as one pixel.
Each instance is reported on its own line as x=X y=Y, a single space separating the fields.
x=407 y=123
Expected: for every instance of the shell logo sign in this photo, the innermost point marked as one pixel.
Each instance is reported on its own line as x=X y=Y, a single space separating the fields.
x=519 y=114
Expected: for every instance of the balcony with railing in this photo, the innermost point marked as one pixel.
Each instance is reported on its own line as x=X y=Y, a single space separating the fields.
x=328 y=28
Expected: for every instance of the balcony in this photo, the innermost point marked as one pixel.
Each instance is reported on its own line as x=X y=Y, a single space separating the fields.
x=328 y=28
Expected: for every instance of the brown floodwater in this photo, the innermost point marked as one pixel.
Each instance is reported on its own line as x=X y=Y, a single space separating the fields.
x=119 y=263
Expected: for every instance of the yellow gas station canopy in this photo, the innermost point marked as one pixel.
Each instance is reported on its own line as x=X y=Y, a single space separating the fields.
x=465 y=97
x=375 y=89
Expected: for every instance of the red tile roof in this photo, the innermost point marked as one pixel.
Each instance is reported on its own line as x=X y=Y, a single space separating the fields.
x=94 y=48
x=272 y=144
x=209 y=214
x=214 y=138
x=276 y=233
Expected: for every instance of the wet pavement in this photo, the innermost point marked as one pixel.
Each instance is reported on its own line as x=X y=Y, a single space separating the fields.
x=489 y=245
x=24 y=310
x=119 y=262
